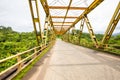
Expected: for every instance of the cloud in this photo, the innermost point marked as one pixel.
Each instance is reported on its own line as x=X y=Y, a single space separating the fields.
x=15 y=13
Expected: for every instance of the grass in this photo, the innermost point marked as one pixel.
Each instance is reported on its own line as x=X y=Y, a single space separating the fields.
x=25 y=70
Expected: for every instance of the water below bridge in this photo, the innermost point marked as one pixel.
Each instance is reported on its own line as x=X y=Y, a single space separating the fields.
x=66 y=61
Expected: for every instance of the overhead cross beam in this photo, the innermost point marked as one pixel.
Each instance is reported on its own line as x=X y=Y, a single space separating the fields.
x=66 y=7
x=64 y=16
x=66 y=13
x=58 y=31
x=62 y=22
x=88 y=10
x=46 y=9
x=61 y=25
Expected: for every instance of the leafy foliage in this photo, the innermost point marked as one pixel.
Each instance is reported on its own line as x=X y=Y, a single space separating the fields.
x=85 y=40
x=12 y=42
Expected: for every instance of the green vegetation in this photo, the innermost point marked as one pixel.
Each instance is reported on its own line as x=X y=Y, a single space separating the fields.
x=12 y=42
x=24 y=71
x=85 y=40
x=58 y=36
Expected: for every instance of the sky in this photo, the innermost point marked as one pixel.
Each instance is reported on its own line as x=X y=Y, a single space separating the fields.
x=16 y=14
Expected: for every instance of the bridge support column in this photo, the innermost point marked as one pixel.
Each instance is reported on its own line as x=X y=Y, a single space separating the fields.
x=69 y=36
x=52 y=33
x=20 y=65
x=46 y=30
x=92 y=35
x=35 y=51
x=73 y=34
x=111 y=26
x=36 y=19
x=81 y=29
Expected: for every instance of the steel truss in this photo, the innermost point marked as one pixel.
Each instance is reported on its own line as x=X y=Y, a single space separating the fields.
x=112 y=25
x=61 y=27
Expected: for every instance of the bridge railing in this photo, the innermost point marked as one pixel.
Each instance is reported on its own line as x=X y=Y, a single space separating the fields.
x=74 y=39
x=21 y=60
x=114 y=48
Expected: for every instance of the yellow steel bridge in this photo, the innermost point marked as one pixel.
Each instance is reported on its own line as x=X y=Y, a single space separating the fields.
x=66 y=61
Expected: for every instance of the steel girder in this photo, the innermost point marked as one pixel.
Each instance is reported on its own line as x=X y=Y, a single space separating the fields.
x=112 y=25
x=91 y=32
x=87 y=11
x=36 y=20
x=81 y=28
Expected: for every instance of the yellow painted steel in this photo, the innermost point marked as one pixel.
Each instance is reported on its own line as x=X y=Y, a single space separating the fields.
x=46 y=9
x=64 y=16
x=69 y=36
x=62 y=29
x=21 y=62
x=88 y=10
x=78 y=18
x=115 y=19
x=46 y=30
x=91 y=32
x=71 y=8
x=57 y=25
x=81 y=28
x=36 y=20
x=37 y=10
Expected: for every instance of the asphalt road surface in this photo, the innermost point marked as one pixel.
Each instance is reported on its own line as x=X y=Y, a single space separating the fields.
x=66 y=61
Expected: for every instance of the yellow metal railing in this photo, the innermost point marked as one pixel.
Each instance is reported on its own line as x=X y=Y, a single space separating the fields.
x=21 y=61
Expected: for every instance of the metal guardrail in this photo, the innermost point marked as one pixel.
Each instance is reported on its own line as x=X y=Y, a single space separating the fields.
x=21 y=62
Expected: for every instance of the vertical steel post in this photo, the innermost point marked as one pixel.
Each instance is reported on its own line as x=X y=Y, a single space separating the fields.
x=32 y=14
x=38 y=15
x=36 y=19
x=81 y=29
x=18 y=60
x=46 y=30
x=73 y=28
x=68 y=35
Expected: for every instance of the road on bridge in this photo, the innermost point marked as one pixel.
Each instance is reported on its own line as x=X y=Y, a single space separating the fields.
x=66 y=61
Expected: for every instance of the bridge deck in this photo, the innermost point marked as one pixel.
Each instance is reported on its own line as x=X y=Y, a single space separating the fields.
x=70 y=62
